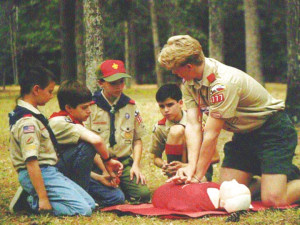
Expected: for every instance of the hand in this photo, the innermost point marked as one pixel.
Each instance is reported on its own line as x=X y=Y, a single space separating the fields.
x=135 y=171
x=44 y=205
x=114 y=167
x=183 y=175
x=109 y=181
x=171 y=168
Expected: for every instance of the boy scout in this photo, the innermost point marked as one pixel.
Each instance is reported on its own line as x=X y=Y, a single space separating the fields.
x=117 y=120
x=78 y=145
x=32 y=149
x=264 y=139
x=168 y=133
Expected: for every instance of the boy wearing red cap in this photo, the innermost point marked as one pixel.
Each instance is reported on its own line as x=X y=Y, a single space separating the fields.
x=117 y=120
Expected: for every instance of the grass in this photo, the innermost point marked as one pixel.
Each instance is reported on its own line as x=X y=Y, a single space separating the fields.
x=144 y=96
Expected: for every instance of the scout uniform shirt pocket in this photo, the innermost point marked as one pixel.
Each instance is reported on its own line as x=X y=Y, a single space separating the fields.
x=127 y=134
x=101 y=128
x=45 y=143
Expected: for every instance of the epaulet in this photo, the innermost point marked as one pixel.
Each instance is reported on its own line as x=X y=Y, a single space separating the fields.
x=132 y=102
x=162 y=121
x=211 y=78
x=27 y=115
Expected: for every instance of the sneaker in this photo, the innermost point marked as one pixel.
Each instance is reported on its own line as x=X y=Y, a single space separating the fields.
x=19 y=201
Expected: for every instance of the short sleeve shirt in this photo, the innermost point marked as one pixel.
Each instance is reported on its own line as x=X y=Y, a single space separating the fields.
x=160 y=134
x=30 y=138
x=65 y=131
x=232 y=95
x=129 y=127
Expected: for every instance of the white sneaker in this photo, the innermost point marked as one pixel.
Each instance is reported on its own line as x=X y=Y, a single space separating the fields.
x=19 y=201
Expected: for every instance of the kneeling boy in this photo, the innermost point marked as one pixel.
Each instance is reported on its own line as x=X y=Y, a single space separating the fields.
x=79 y=145
x=169 y=133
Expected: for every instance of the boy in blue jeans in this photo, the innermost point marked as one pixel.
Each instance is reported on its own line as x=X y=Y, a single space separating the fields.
x=33 y=154
x=78 y=145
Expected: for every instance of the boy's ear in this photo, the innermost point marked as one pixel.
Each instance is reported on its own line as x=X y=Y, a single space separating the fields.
x=180 y=102
x=100 y=82
x=35 y=89
x=68 y=108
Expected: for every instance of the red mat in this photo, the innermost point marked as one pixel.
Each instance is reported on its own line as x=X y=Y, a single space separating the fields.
x=150 y=210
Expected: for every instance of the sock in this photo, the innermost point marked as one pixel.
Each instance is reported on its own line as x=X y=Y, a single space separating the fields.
x=174 y=152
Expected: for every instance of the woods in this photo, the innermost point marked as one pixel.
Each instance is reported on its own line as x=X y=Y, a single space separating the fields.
x=72 y=37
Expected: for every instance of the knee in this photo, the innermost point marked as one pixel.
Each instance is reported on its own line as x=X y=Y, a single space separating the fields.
x=145 y=194
x=176 y=132
x=119 y=199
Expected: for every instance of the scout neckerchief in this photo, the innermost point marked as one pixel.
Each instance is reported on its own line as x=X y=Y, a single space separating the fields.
x=20 y=112
x=65 y=113
x=103 y=104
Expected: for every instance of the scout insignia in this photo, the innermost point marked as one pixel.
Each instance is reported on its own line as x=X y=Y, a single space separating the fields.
x=127 y=116
x=29 y=140
x=217 y=98
x=128 y=135
x=138 y=116
x=30 y=147
x=28 y=129
x=217 y=88
x=115 y=66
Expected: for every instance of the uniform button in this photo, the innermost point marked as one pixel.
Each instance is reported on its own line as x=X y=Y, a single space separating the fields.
x=99 y=129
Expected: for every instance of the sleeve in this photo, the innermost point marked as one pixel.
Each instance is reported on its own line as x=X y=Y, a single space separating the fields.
x=139 y=127
x=224 y=99
x=189 y=100
x=158 y=142
x=65 y=132
x=29 y=135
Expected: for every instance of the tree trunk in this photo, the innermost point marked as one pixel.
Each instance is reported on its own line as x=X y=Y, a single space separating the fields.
x=253 y=47
x=94 y=41
x=79 y=41
x=293 y=73
x=68 y=49
x=13 y=29
x=159 y=78
x=216 y=37
x=132 y=48
x=127 y=62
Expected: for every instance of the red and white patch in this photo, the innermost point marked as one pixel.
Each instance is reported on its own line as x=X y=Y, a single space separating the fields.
x=28 y=129
x=217 y=98
x=217 y=88
x=138 y=116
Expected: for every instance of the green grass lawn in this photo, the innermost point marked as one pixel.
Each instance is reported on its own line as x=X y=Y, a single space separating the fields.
x=144 y=96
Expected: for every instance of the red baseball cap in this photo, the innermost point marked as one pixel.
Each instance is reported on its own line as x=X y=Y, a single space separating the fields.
x=112 y=70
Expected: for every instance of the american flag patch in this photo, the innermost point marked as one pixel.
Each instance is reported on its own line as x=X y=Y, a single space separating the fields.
x=28 y=129
x=138 y=116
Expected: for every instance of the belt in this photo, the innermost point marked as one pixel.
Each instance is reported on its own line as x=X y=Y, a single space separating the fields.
x=41 y=166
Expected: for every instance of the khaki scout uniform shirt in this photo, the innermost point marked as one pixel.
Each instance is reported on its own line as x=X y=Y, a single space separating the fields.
x=128 y=125
x=30 y=138
x=231 y=95
x=160 y=134
x=65 y=131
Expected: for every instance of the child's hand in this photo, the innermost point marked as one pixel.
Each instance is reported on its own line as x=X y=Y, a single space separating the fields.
x=172 y=168
x=44 y=205
x=109 y=181
x=135 y=171
x=114 y=167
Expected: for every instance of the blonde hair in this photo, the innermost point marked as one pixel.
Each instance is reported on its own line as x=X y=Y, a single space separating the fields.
x=179 y=51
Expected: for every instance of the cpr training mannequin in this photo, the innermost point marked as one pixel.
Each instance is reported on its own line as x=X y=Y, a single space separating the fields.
x=207 y=196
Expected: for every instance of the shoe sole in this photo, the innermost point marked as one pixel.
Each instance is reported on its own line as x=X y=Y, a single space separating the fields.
x=14 y=206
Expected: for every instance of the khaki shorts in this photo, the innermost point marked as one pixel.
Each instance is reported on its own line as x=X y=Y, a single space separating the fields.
x=267 y=150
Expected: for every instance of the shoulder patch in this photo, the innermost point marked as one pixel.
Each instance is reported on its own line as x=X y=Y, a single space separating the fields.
x=132 y=102
x=28 y=129
x=162 y=121
x=211 y=78
x=217 y=88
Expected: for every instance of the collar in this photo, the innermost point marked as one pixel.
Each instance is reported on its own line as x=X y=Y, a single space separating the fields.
x=207 y=78
x=182 y=121
x=28 y=106
x=114 y=103
x=65 y=113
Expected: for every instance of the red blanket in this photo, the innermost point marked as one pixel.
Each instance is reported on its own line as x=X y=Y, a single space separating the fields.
x=150 y=210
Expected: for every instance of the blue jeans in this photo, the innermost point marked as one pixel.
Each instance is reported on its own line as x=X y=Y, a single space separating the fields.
x=76 y=162
x=105 y=196
x=65 y=196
